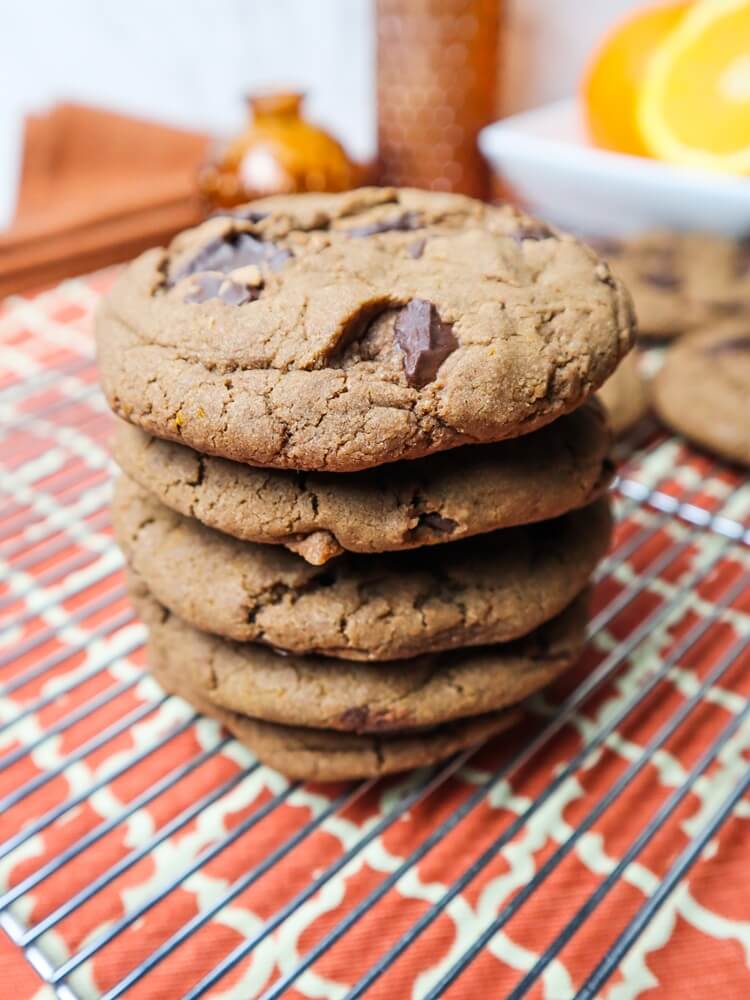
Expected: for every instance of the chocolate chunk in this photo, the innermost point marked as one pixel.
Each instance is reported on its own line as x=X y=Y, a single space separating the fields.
x=604 y=274
x=227 y=253
x=216 y=286
x=435 y=521
x=243 y=212
x=730 y=345
x=662 y=279
x=532 y=231
x=247 y=213
x=605 y=246
x=733 y=308
x=401 y=223
x=424 y=340
x=416 y=249
x=355 y=718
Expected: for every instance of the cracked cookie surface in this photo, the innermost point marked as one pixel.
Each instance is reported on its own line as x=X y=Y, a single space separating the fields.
x=703 y=389
x=488 y=589
x=339 y=332
x=253 y=680
x=437 y=499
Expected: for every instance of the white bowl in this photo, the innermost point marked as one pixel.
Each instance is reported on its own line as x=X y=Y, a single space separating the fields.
x=546 y=159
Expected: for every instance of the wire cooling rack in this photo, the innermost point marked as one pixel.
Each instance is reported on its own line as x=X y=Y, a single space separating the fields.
x=599 y=850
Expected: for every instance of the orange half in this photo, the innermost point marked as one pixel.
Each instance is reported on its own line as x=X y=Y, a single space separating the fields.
x=612 y=82
x=694 y=106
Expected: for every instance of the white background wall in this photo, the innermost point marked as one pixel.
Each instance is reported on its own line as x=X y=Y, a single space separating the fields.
x=189 y=61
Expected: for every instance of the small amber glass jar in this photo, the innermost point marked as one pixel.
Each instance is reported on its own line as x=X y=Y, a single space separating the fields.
x=279 y=152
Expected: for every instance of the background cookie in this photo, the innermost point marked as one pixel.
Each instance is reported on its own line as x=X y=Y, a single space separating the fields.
x=253 y=680
x=437 y=499
x=703 y=389
x=484 y=590
x=625 y=395
x=680 y=281
x=338 y=332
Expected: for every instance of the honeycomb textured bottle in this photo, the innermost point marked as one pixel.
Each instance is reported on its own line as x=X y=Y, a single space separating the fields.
x=436 y=88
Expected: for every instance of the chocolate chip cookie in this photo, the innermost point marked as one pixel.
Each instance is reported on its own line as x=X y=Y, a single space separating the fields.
x=326 y=755
x=441 y=498
x=625 y=395
x=339 y=332
x=379 y=607
x=703 y=389
x=305 y=752
x=681 y=281
x=251 y=679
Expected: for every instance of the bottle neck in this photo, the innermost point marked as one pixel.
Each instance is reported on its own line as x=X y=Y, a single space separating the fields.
x=264 y=107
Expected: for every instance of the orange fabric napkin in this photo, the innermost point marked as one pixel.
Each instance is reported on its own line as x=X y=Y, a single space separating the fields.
x=96 y=187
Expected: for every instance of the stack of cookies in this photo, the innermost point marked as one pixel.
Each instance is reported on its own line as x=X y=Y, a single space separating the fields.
x=364 y=476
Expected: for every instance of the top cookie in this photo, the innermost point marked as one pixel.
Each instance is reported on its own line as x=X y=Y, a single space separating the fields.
x=338 y=332
x=681 y=281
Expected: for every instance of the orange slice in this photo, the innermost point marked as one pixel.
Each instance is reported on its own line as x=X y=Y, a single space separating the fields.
x=613 y=80
x=694 y=107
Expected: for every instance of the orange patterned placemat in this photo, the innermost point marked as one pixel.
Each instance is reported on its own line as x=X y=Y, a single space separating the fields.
x=600 y=849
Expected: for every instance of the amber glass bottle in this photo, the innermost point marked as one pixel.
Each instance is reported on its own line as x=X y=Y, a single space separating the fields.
x=437 y=64
x=279 y=152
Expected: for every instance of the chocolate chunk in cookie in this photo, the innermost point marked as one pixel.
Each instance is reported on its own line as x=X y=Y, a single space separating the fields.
x=729 y=345
x=436 y=522
x=400 y=223
x=230 y=252
x=424 y=340
x=532 y=231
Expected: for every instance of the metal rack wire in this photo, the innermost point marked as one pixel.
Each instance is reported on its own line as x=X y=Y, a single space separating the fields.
x=73 y=690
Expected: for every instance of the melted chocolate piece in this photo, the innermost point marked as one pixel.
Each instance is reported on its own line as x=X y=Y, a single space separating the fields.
x=216 y=286
x=662 y=279
x=424 y=340
x=739 y=343
x=227 y=253
x=416 y=249
x=532 y=231
x=435 y=521
x=402 y=223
